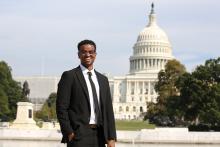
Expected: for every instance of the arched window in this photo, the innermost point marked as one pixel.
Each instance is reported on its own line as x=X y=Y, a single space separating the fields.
x=120 y=109
x=134 y=109
x=141 y=109
x=127 y=108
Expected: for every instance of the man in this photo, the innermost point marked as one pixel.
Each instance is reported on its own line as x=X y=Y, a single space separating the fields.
x=84 y=105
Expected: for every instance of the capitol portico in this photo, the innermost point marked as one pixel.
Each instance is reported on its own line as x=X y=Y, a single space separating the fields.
x=131 y=92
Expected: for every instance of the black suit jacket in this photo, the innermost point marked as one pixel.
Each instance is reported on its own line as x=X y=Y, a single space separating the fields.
x=73 y=107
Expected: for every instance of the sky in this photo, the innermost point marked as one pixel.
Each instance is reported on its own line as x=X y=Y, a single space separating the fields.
x=39 y=37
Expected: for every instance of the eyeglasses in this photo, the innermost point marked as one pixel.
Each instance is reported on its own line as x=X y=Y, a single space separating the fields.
x=84 y=53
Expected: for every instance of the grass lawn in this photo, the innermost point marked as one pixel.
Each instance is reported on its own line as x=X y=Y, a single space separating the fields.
x=133 y=125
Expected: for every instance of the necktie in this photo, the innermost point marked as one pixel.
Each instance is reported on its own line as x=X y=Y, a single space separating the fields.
x=95 y=99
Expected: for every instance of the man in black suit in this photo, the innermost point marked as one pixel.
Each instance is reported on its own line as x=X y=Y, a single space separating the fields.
x=84 y=104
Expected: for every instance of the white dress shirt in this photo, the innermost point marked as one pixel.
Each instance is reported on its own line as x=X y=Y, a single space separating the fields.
x=95 y=81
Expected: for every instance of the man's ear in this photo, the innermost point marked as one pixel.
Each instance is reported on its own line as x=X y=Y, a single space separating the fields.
x=78 y=55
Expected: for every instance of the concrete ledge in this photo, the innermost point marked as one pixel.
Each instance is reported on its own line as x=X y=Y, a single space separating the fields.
x=165 y=142
x=169 y=136
x=146 y=136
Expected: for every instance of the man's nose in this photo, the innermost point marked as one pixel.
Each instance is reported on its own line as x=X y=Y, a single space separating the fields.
x=87 y=53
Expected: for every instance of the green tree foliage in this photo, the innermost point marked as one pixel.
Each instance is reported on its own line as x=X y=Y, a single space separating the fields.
x=200 y=93
x=10 y=93
x=4 y=109
x=168 y=94
x=48 y=110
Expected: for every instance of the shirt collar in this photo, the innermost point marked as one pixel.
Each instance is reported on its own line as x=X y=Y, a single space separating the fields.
x=85 y=70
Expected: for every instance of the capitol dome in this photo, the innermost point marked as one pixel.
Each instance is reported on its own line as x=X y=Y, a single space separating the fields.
x=152 y=49
x=153 y=33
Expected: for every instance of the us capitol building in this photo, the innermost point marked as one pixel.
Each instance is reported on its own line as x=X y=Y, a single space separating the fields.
x=131 y=92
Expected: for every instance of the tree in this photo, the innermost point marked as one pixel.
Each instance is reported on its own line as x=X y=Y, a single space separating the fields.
x=48 y=110
x=200 y=93
x=10 y=92
x=168 y=93
x=190 y=97
x=4 y=109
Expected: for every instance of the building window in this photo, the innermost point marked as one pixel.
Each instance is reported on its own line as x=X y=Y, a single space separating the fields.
x=132 y=87
x=141 y=109
x=146 y=91
x=140 y=92
x=134 y=116
x=146 y=98
x=140 y=98
x=146 y=87
x=152 y=88
x=132 y=99
x=127 y=109
x=134 y=109
x=120 y=109
x=132 y=91
x=140 y=86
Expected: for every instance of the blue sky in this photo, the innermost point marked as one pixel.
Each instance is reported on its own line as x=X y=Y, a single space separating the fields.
x=40 y=36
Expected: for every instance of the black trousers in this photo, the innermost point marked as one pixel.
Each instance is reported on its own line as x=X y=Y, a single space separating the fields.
x=93 y=137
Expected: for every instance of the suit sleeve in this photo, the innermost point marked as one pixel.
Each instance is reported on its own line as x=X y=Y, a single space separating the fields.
x=63 y=101
x=110 y=115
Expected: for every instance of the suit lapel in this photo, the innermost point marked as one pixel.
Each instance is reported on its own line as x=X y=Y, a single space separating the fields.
x=101 y=85
x=85 y=89
x=82 y=81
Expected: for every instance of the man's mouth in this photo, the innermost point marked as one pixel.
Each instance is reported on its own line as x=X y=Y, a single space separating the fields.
x=87 y=59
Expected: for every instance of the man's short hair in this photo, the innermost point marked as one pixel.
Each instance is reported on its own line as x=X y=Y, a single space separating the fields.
x=83 y=42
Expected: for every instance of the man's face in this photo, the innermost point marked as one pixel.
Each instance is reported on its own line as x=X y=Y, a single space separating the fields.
x=87 y=55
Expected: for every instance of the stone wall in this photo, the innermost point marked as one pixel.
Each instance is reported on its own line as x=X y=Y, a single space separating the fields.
x=158 y=135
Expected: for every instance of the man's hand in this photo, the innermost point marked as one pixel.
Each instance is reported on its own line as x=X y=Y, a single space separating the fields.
x=71 y=136
x=111 y=143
